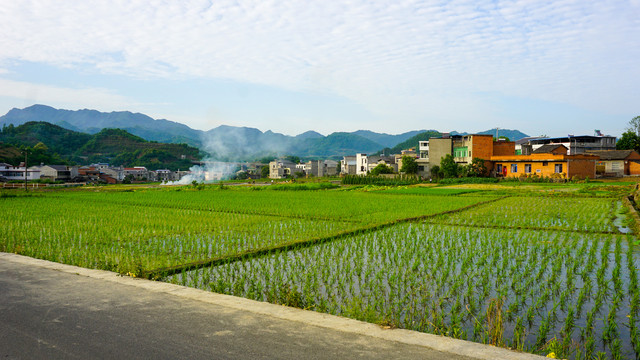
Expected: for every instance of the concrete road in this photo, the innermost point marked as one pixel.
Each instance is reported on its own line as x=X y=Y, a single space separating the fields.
x=51 y=311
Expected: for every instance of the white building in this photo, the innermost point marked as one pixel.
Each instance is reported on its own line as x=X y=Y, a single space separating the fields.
x=348 y=165
x=362 y=164
x=279 y=169
x=9 y=172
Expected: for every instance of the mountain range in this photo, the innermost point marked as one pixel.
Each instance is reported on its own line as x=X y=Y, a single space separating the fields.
x=53 y=144
x=223 y=142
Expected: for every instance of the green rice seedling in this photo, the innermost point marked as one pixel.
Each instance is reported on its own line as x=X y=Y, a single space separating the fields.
x=552 y=260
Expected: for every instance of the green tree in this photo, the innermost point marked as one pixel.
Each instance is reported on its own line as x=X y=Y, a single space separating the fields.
x=266 y=159
x=634 y=125
x=435 y=172
x=629 y=141
x=41 y=146
x=477 y=168
x=241 y=175
x=381 y=169
x=449 y=167
x=264 y=171
x=294 y=159
x=409 y=165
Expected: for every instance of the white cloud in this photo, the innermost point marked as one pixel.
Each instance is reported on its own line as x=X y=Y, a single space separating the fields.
x=423 y=58
x=95 y=98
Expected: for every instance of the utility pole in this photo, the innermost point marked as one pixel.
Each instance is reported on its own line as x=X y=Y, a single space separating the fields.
x=25 y=170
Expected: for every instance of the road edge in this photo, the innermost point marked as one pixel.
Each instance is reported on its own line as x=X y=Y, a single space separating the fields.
x=435 y=342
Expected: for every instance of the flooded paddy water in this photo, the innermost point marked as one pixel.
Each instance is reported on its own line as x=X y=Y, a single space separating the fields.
x=561 y=278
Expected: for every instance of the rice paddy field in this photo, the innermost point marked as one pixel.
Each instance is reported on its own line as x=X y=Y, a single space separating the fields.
x=546 y=269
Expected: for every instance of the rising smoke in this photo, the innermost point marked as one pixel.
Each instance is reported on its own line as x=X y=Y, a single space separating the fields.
x=211 y=171
x=226 y=145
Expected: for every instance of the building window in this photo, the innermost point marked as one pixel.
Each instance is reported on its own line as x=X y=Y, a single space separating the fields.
x=527 y=168
x=514 y=168
x=460 y=152
x=545 y=163
x=558 y=168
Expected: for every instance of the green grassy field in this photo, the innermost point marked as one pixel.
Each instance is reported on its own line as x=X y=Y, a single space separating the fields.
x=539 y=268
x=138 y=230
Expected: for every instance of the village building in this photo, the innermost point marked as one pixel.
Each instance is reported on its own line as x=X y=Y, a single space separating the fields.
x=348 y=165
x=463 y=148
x=556 y=163
x=9 y=172
x=617 y=162
x=116 y=173
x=279 y=169
x=164 y=175
x=89 y=173
x=575 y=144
x=58 y=172
x=411 y=152
x=522 y=145
x=330 y=168
x=138 y=173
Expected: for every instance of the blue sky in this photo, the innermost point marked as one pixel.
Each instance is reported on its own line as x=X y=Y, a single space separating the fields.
x=543 y=67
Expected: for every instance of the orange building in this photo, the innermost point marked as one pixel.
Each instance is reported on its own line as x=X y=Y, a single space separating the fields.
x=547 y=165
x=504 y=148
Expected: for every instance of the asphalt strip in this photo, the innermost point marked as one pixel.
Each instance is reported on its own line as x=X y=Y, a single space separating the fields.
x=435 y=342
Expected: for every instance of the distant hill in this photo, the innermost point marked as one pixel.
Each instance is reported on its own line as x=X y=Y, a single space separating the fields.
x=387 y=140
x=410 y=143
x=53 y=144
x=224 y=142
x=37 y=155
x=10 y=154
x=233 y=143
x=92 y=121
x=56 y=138
x=309 y=135
x=338 y=143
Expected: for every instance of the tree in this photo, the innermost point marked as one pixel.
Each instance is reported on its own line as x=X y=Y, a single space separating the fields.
x=628 y=141
x=264 y=172
x=294 y=159
x=435 y=172
x=449 y=167
x=241 y=175
x=381 y=169
x=41 y=146
x=634 y=125
x=409 y=165
x=477 y=168
x=266 y=159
